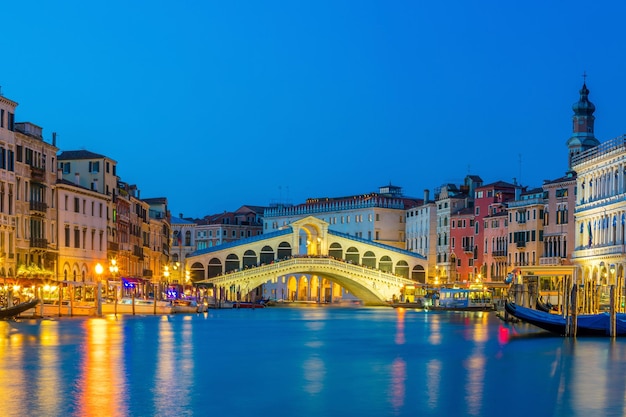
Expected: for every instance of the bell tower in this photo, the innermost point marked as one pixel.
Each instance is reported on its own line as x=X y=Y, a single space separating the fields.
x=582 y=125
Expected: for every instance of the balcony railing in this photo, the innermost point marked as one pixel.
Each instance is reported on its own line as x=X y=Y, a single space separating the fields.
x=37 y=174
x=38 y=206
x=521 y=244
x=499 y=254
x=39 y=243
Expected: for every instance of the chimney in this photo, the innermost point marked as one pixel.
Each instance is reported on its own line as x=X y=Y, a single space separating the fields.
x=77 y=178
x=54 y=138
x=426 y=196
x=180 y=215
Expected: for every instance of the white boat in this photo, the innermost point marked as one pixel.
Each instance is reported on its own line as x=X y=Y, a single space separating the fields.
x=460 y=299
x=141 y=306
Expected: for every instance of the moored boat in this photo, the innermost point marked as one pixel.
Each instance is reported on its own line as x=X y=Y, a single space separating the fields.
x=141 y=306
x=249 y=304
x=586 y=324
x=463 y=299
x=16 y=310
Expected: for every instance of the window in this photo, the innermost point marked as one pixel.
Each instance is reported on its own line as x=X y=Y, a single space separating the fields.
x=76 y=205
x=94 y=166
x=77 y=238
x=67 y=236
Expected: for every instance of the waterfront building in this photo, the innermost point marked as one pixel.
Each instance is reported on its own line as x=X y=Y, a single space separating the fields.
x=378 y=216
x=558 y=221
x=421 y=233
x=8 y=222
x=82 y=230
x=601 y=212
x=34 y=193
x=489 y=199
x=160 y=237
x=495 y=243
x=526 y=228
x=463 y=250
x=183 y=244
x=97 y=173
x=450 y=200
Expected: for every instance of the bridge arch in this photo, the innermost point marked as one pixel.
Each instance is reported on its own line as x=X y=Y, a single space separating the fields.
x=385 y=264
x=352 y=255
x=249 y=259
x=418 y=274
x=284 y=250
x=196 y=271
x=232 y=263
x=215 y=267
x=267 y=255
x=402 y=269
x=335 y=250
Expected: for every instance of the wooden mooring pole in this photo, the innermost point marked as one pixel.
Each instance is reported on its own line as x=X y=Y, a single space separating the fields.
x=612 y=321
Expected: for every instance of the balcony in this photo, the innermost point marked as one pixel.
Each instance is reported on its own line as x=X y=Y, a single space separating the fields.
x=39 y=243
x=499 y=254
x=37 y=174
x=521 y=245
x=552 y=261
x=147 y=273
x=468 y=248
x=38 y=206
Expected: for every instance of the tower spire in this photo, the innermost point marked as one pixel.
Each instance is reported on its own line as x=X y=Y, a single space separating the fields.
x=583 y=124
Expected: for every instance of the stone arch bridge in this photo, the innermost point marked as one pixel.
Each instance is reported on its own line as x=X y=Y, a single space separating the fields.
x=307 y=251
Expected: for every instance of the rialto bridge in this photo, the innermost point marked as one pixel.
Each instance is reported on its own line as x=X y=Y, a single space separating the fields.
x=307 y=261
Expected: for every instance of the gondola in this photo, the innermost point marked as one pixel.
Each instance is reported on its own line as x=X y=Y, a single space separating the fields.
x=587 y=324
x=16 y=310
x=541 y=306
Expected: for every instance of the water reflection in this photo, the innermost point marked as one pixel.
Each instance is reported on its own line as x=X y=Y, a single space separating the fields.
x=313 y=362
x=101 y=384
x=398 y=381
x=433 y=380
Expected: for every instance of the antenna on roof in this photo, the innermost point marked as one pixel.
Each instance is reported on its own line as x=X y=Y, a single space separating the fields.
x=584 y=77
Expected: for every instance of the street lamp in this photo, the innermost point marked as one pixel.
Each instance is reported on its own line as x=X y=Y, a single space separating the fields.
x=99 y=270
x=113 y=268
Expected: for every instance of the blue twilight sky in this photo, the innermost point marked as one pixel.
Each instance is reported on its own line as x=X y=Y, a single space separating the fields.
x=217 y=104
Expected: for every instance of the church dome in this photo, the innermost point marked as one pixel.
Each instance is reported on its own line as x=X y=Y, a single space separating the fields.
x=584 y=106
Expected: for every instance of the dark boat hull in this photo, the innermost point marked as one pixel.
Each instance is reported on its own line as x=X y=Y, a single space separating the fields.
x=587 y=324
x=16 y=310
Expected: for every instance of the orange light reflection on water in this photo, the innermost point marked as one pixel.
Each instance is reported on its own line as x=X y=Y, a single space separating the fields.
x=314 y=368
x=400 y=340
x=101 y=383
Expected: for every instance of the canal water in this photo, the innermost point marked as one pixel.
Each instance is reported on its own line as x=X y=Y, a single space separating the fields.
x=314 y=361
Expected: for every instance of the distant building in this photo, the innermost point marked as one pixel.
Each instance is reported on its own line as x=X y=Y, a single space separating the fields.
x=421 y=233
x=378 y=217
x=217 y=229
x=450 y=200
x=526 y=228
